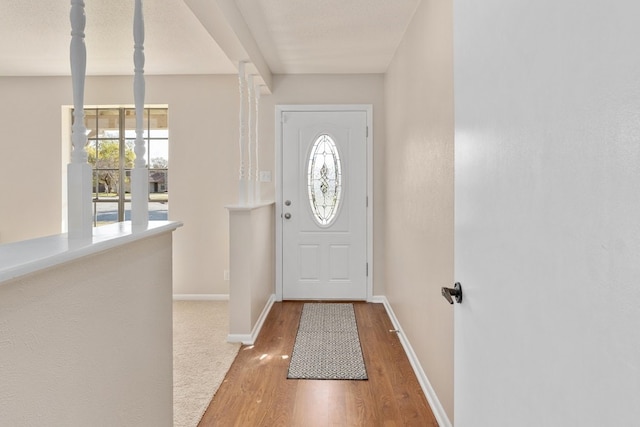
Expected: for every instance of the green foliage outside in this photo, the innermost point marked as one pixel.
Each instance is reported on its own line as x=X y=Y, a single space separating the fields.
x=107 y=160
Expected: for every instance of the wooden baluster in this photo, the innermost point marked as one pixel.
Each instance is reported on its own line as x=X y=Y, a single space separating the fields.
x=79 y=172
x=257 y=147
x=251 y=141
x=140 y=172
x=242 y=188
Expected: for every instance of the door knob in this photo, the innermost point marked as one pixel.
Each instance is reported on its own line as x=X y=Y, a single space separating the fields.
x=456 y=293
x=287 y=216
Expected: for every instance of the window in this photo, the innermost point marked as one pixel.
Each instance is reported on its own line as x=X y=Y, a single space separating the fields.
x=324 y=179
x=111 y=139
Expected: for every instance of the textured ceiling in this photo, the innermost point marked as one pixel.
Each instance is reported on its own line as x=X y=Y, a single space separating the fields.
x=35 y=37
x=328 y=36
x=294 y=36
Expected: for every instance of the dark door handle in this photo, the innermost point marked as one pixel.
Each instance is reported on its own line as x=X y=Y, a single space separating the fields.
x=451 y=294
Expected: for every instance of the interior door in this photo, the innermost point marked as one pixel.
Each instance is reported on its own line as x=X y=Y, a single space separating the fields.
x=547 y=206
x=324 y=205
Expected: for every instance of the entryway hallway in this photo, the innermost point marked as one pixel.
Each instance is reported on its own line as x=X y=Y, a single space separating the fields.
x=256 y=391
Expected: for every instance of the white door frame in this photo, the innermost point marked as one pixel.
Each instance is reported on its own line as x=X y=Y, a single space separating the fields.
x=280 y=110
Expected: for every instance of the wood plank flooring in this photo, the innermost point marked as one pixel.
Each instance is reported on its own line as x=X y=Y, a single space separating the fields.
x=257 y=393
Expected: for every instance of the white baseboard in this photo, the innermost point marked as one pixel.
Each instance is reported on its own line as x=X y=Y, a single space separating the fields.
x=429 y=392
x=250 y=339
x=201 y=297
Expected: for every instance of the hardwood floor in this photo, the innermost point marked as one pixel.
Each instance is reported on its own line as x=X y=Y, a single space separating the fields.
x=256 y=391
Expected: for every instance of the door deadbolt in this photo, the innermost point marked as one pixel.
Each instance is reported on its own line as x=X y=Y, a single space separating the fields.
x=287 y=203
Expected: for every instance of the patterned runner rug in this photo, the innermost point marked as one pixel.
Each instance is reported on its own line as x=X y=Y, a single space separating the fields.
x=327 y=346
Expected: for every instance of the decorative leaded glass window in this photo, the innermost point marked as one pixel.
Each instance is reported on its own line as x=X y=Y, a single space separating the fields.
x=324 y=178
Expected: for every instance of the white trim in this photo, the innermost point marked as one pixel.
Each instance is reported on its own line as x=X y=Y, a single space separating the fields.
x=278 y=211
x=429 y=392
x=28 y=256
x=201 y=297
x=280 y=109
x=370 y=263
x=250 y=339
x=244 y=339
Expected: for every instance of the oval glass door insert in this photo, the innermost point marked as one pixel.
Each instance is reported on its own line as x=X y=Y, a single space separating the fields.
x=324 y=180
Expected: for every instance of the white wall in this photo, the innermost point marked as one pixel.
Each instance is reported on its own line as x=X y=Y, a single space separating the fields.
x=89 y=342
x=30 y=156
x=252 y=268
x=203 y=117
x=418 y=208
x=204 y=163
x=547 y=99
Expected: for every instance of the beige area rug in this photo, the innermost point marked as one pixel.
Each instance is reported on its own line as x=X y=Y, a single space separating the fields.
x=201 y=357
x=327 y=345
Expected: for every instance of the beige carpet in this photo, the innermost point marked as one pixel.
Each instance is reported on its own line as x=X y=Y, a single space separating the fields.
x=201 y=357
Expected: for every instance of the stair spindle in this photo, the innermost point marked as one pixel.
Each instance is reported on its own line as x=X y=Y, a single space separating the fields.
x=79 y=172
x=140 y=172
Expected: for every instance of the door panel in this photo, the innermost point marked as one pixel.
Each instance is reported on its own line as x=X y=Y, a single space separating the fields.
x=324 y=261
x=547 y=207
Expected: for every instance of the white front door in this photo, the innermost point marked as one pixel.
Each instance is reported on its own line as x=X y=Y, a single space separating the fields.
x=324 y=204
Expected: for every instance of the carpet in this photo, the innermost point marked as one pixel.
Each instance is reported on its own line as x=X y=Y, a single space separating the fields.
x=327 y=346
x=201 y=357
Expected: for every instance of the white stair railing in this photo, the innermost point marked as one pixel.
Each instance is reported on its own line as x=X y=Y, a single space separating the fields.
x=79 y=172
x=242 y=185
x=257 y=196
x=249 y=145
x=140 y=172
x=251 y=141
